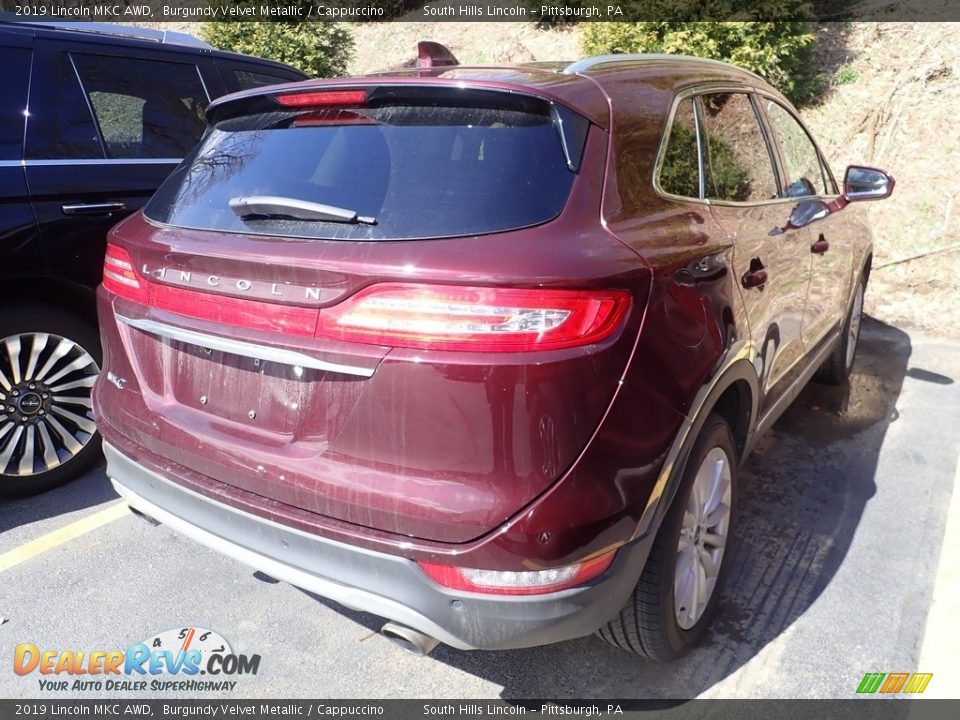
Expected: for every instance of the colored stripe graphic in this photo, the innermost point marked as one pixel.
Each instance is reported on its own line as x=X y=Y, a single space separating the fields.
x=870 y=682
x=918 y=683
x=894 y=683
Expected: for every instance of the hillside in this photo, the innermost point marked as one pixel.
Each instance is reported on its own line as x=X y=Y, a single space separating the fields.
x=900 y=113
x=893 y=103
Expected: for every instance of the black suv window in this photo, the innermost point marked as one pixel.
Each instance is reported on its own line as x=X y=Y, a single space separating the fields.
x=680 y=169
x=420 y=171
x=13 y=100
x=805 y=175
x=150 y=109
x=60 y=125
x=248 y=79
x=737 y=163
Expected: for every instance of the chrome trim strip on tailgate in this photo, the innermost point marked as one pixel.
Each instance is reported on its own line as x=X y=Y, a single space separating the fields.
x=240 y=347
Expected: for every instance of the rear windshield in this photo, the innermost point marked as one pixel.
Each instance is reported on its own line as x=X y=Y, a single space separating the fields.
x=410 y=171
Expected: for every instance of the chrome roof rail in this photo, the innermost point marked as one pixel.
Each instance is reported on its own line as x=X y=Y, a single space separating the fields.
x=589 y=63
x=164 y=37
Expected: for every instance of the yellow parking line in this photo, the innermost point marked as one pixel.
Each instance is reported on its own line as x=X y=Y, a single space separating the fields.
x=56 y=538
x=938 y=654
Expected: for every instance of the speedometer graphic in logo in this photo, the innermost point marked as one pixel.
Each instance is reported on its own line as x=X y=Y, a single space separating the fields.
x=183 y=640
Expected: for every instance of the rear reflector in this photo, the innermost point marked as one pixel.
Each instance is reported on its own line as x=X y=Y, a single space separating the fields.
x=451 y=317
x=510 y=582
x=323 y=98
x=429 y=317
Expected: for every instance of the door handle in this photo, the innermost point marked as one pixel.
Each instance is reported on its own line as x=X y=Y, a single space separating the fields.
x=820 y=246
x=104 y=208
x=754 y=278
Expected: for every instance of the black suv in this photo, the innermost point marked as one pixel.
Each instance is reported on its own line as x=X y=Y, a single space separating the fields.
x=92 y=119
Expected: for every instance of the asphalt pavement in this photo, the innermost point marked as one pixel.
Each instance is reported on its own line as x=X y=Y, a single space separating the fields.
x=845 y=508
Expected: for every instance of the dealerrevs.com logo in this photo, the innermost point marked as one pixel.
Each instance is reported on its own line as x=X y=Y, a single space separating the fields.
x=189 y=659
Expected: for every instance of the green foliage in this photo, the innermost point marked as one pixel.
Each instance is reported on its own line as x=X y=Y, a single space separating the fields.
x=846 y=76
x=320 y=49
x=728 y=178
x=781 y=52
x=680 y=172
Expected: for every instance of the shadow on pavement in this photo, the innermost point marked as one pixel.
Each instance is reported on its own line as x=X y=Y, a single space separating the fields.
x=804 y=490
x=91 y=489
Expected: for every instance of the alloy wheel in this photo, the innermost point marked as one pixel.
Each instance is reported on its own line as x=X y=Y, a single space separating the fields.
x=45 y=408
x=703 y=536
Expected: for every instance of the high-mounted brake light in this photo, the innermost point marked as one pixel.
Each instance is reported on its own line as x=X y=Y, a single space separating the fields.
x=451 y=317
x=511 y=582
x=322 y=98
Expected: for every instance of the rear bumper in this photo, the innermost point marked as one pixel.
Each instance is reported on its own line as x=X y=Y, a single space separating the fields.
x=389 y=586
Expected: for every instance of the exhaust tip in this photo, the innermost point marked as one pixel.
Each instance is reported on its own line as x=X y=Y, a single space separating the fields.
x=413 y=641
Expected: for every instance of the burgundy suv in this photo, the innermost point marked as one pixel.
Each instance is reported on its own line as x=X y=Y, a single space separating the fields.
x=480 y=350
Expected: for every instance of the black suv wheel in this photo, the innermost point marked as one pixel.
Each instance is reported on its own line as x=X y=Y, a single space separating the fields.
x=49 y=360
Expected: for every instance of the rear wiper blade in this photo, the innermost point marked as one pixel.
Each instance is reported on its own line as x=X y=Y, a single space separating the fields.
x=282 y=207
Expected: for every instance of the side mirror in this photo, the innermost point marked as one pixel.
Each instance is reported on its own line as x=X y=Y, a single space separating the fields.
x=864 y=183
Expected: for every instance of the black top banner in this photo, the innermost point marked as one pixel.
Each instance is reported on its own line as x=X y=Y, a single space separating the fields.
x=538 y=11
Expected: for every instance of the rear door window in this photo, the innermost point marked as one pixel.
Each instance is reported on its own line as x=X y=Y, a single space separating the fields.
x=15 y=62
x=738 y=164
x=418 y=171
x=61 y=125
x=144 y=108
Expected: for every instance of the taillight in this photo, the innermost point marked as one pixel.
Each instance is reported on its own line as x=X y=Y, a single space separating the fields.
x=119 y=276
x=429 y=317
x=522 y=582
x=448 y=317
x=322 y=98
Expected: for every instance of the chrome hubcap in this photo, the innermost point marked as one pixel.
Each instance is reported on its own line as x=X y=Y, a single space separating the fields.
x=45 y=409
x=703 y=536
x=853 y=334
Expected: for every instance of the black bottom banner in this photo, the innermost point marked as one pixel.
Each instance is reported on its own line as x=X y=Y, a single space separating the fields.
x=855 y=709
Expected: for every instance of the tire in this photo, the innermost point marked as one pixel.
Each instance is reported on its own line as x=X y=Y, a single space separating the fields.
x=49 y=359
x=837 y=367
x=653 y=623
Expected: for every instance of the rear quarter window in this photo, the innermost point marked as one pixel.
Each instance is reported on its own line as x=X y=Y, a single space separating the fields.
x=421 y=172
x=680 y=168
